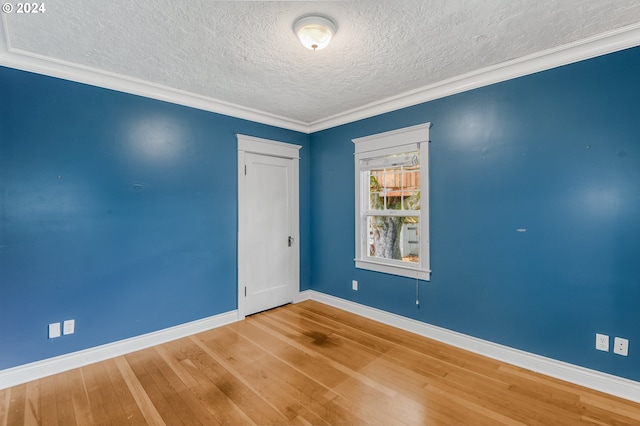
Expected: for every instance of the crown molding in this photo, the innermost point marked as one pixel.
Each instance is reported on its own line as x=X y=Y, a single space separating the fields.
x=40 y=64
x=602 y=44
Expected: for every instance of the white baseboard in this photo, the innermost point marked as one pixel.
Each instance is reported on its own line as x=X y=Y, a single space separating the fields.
x=39 y=369
x=603 y=382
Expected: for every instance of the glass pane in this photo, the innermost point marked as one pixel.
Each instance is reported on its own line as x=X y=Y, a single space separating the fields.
x=395 y=187
x=411 y=200
x=376 y=201
x=412 y=177
x=376 y=197
x=396 y=238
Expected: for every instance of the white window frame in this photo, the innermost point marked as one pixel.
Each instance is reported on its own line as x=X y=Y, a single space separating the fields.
x=408 y=139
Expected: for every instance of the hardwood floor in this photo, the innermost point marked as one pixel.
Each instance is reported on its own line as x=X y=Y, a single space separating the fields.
x=307 y=364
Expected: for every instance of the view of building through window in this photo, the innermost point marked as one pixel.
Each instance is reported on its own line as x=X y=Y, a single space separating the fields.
x=394 y=208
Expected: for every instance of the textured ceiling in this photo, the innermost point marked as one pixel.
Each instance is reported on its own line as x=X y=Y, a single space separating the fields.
x=245 y=52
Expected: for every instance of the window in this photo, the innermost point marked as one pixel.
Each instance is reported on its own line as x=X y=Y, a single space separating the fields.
x=392 y=202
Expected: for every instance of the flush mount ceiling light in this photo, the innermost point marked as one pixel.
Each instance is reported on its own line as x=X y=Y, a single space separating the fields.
x=314 y=32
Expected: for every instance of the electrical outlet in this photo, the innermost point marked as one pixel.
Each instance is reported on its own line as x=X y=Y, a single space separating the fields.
x=54 y=330
x=354 y=285
x=69 y=327
x=621 y=346
x=602 y=342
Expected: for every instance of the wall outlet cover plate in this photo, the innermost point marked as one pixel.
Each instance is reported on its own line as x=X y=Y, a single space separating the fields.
x=621 y=346
x=54 y=330
x=602 y=342
x=69 y=327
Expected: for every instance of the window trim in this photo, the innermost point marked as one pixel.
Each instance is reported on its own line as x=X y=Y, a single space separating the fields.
x=413 y=138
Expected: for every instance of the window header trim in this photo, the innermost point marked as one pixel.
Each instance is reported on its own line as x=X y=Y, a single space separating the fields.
x=393 y=138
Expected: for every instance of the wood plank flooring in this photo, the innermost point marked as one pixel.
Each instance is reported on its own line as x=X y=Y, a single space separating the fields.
x=307 y=364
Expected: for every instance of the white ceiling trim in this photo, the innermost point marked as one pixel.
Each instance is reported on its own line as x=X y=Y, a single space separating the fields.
x=40 y=64
x=609 y=42
x=602 y=44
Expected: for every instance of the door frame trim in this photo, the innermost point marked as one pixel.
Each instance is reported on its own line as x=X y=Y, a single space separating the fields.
x=253 y=145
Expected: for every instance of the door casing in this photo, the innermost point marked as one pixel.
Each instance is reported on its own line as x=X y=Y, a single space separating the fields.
x=250 y=144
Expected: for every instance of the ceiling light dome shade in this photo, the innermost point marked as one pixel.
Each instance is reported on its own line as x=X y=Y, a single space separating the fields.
x=314 y=32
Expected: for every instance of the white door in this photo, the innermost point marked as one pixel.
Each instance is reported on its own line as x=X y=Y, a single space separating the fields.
x=268 y=231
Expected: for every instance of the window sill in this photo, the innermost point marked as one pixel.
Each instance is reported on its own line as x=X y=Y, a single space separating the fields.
x=403 y=271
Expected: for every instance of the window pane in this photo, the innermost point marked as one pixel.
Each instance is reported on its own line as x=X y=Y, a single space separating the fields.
x=376 y=201
x=411 y=200
x=395 y=187
x=376 y=194
x=392 y=237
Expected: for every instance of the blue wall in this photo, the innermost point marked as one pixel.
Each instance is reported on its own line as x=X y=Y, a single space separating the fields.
x=557 y=153
x=117 y=211
x=120 y=212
